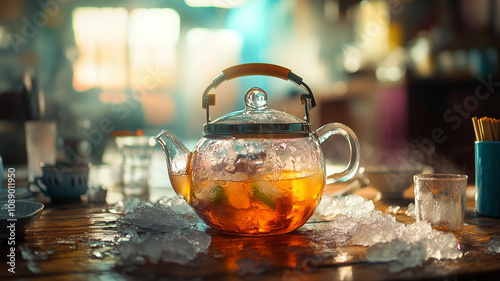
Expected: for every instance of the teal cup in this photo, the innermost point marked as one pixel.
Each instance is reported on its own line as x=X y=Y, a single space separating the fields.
x=487 y=178
x=61 y=182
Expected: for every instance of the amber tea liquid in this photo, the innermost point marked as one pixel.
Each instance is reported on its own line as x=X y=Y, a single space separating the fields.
x=259 y=205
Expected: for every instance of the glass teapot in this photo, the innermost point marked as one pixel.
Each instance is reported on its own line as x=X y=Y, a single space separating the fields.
x=257 y=171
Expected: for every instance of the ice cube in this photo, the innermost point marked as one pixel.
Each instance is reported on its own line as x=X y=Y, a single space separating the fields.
x=393 y=209
x=443 y=246
x=378 y=229
x=30 y=255
x=266 y=193
x=95 y=243
x=337 y=232
x=66 y=241
x=238 y=194
x=418 y=231
x=200 y=241
x=126 y=206
x=176 y=204
x=179 y=246
x=493 y=245
x=98 y=254
x=368 y=229
x=33 y=257
x=128 y=250
x=152 y=248
x=178 y=249
x=411 y=211
x=33 y=267
x=331 y=236
x=401 y=254
x=352 y=205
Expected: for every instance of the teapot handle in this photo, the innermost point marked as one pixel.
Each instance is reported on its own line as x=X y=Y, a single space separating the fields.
x=258 y=69
x=330 y=129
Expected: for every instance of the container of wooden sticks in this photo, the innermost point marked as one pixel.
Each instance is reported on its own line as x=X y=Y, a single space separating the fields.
x=487 y=157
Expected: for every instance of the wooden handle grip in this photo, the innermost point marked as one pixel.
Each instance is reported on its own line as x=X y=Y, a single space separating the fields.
x=256 y=69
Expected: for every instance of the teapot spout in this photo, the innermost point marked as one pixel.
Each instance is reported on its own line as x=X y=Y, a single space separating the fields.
x=176 y=153
x=177 y=157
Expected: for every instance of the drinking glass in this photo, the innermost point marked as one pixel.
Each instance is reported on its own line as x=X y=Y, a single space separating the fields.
x=440 y=200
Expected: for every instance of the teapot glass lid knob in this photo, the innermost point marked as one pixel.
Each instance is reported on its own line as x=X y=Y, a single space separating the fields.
x=256 y=99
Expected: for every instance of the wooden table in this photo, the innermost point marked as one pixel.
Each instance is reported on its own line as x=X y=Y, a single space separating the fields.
x=62 y=247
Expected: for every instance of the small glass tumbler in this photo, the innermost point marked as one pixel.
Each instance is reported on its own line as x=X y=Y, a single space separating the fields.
x=440 y=200
x=135 y=168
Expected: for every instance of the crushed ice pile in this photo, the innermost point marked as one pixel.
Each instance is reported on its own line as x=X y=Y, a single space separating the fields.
x=167 y=230
x=354 y=220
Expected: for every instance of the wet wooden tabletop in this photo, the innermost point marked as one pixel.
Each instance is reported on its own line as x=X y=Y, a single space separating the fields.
x=61 y=246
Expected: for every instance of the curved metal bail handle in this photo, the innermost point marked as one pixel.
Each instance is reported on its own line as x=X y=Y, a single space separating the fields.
x=259 y=69
x=330 y=129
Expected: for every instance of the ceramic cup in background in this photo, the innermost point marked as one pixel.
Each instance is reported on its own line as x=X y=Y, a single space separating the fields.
x=440 y=200
x=487 y=154
x=61 y=182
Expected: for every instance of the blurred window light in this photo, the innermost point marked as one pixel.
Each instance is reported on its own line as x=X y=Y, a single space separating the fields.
x=152 y=39
x=118 y=48
x=216 y=3
x=100 y=36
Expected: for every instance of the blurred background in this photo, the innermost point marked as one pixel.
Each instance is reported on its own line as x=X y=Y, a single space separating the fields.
x=406 y=76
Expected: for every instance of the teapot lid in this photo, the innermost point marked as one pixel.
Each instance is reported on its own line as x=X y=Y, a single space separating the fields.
x=257 y=118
